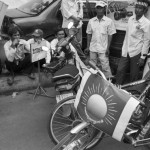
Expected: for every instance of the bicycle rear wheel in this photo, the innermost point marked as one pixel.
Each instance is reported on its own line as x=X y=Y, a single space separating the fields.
x=145 y=133
x=60 y=124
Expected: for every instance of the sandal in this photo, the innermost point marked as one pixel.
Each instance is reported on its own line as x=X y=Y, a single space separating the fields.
x=10 y=81
x=31 y=76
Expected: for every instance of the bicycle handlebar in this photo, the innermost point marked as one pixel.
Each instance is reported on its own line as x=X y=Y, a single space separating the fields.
x=92 y=65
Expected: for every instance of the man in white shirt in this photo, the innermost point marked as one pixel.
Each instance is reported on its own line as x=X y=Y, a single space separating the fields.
x=60 y=34
x=17 y=55
x=136 y=44
x=72 y=11
x=99 y=35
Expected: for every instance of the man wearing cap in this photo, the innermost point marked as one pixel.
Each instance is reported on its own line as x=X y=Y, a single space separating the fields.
x=136 y=44
x=38 y=38
x=99 y=35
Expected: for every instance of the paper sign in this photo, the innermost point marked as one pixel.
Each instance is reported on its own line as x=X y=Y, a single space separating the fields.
x=36 y=51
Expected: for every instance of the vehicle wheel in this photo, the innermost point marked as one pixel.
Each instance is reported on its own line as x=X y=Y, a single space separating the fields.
x=147 y=136
x=68 y=138
x=96 y=140
x=145 y=133
x=84 y=136
x=59 y=125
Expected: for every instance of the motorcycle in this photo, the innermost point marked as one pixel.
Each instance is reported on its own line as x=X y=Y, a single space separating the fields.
x=66 y=75
x=101 y=108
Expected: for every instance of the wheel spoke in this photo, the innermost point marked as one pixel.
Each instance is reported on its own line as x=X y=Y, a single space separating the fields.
x=61 y=124
x=62 y=120
x=61 y=133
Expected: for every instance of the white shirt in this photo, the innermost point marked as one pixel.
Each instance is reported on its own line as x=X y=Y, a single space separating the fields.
x=54 y=44
x=48 y=55
x=137 y=38
x=100 y=31
x=71 y=8
x=11 y=52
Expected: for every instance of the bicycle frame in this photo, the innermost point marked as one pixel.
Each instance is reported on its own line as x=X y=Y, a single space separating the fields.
x=142 y=142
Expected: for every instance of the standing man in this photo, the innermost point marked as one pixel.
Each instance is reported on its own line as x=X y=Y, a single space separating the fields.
x=72 y=11
x=99 y=35
x=136 y=44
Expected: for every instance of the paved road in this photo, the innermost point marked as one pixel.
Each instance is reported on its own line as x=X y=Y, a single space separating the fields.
x=23 y=124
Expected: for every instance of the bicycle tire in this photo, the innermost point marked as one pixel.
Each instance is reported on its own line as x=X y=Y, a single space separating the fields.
x=60 y=145
x=145 y=133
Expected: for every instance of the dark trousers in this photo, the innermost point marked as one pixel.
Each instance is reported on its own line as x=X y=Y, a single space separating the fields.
x=25 y=65
x=126 y=63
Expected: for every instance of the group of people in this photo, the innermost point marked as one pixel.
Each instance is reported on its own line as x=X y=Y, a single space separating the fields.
x=18 y=56
x=17 y=50
x=100 y=30
x=135 y=46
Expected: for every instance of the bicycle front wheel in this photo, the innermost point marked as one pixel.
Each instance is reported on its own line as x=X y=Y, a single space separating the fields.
x=60 y=123
x=62 y=119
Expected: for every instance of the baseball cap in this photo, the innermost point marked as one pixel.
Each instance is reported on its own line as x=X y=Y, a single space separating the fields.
x=37 y=32
x=144 y=4
x=101 y=3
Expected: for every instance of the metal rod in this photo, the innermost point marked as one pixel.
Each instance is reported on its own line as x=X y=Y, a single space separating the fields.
x=142 y=142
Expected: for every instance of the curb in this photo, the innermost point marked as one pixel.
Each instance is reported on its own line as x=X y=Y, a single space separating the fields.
x=22 y=83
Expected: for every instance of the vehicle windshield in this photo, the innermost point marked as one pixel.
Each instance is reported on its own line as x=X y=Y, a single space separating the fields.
x=34 y=6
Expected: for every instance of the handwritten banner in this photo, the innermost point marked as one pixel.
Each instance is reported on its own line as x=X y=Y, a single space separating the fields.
x=36 y=51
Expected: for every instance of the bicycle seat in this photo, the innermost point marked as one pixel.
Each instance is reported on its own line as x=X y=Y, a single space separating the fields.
x=68 y=71
x=54 y=66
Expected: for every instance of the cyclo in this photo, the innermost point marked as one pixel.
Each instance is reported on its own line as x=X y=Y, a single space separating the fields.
x=101 y=108
x=66 y=71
